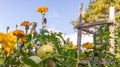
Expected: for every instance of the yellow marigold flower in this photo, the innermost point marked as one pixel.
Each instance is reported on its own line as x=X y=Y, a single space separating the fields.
x=42 y=10
x=74 y=47
x=7 y=49
x=18 y=32
x=88 y=45
x=8 y=42
x=1 y=37
x=26 y=23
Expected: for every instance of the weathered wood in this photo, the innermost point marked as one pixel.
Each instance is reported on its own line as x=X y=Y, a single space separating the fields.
x=92 y=24
x=111 y=13
x=111 y=30
x=79 y=36
x=111 y=42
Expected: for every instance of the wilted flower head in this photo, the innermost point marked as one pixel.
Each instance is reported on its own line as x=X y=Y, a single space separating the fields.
x=42 y=10
x=26 y=23
x=34 y=24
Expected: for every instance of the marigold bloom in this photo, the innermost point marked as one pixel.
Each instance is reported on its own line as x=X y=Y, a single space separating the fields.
x=42 y=10
x=18 y=32
x=88 y=45
x=26 y=23
x=74 y=47
x=8 y=42
x=21 y=34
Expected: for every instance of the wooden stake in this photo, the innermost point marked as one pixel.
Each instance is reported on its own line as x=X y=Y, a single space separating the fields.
x=111 y=30
x=79 y=31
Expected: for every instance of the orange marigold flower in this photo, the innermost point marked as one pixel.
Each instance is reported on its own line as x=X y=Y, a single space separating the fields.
x=42 y=9
x=26 y=23
x=18 y=32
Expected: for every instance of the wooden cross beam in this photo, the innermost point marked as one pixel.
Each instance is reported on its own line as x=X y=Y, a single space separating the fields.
x=92 y=24
x=83 y=26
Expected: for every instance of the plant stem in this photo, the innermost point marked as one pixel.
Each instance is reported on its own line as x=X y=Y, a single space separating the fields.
x=43 y=20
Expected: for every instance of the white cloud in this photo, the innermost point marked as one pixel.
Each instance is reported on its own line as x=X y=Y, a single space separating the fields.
x=85 y=38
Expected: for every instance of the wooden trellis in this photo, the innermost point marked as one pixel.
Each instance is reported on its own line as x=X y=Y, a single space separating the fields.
x=82 y=27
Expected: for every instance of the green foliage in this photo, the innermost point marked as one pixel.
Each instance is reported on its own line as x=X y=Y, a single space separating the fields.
x=99 y=10
x=28 y=42
x=102 y=38
x=63 y=54
x=117 y=39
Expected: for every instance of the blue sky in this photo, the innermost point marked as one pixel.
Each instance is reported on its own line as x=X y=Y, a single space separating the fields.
x=60 y=13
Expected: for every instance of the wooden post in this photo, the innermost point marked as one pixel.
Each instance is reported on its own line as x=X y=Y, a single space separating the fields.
x=111 y=30
x=79 y=31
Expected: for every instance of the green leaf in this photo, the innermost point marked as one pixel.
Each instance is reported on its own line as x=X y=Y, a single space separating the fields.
x=28 y=42
x=29 y=62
